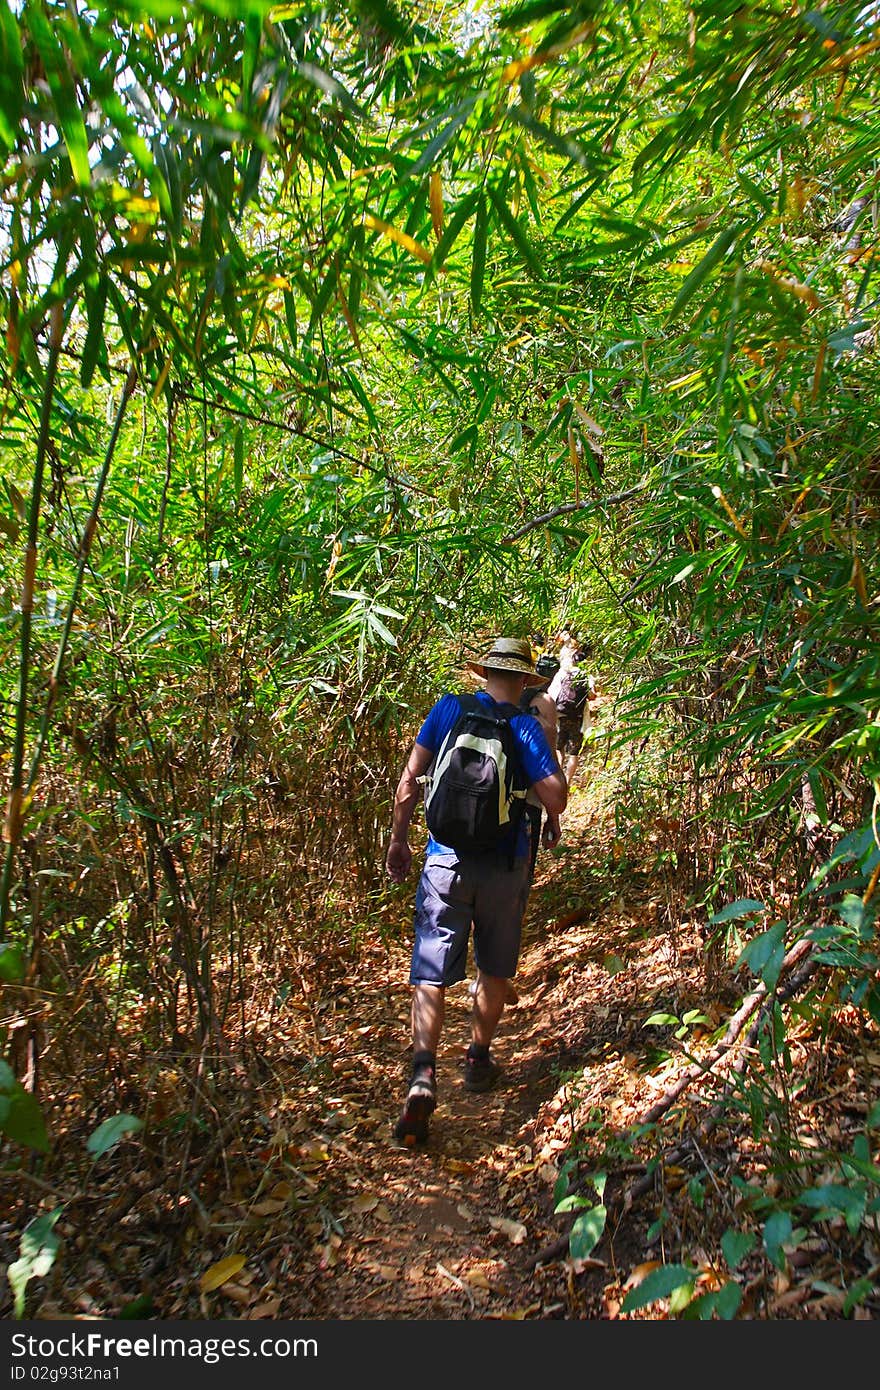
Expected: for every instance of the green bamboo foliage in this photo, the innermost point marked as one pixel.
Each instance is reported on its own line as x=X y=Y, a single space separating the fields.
x=486 y=325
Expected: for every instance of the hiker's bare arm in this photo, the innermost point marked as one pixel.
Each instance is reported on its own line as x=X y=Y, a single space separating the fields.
x=398 y=859
x=552 y=792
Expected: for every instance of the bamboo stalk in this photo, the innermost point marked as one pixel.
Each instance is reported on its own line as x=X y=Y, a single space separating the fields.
x=16 y=807
x=85 y=547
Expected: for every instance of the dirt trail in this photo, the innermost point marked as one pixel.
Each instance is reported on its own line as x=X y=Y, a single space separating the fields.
x=452 y=1229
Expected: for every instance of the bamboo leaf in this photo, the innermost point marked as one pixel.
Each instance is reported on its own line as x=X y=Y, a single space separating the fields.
x=428 y=157
x=58 y=76
x=329 y=85
x=516 y=233
x=290 y=316
x=95 y=347
x=395 y=234
x=11 y=70
x=238 y=460
x=717 y=251
x=454 y=224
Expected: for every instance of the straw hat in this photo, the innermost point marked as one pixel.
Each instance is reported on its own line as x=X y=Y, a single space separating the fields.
x=511 y=654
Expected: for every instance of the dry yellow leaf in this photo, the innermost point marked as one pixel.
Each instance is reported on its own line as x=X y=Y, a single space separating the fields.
x=217 y=1274
x=524 y=1168
x=857 y=580
x=592 y=425
x=365 y=1201
x=641 y=1272
x=457 y=1165
x=395 y=234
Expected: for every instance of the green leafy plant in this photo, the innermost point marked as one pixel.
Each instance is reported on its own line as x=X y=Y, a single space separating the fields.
x=589 y=1225
x=37 y=1254
x=21 y=1118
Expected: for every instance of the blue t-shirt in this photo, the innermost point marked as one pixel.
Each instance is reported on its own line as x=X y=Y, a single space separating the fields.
x=537 y=759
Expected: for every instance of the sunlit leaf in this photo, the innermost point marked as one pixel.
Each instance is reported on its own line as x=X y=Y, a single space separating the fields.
x=657 y=1283
x=110 y=1131
x=586 y=1232
x=220 y=1273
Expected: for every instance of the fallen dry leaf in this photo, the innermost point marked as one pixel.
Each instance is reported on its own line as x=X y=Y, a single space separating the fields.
x=217 y=1274
x=313 y=1151
x=457 y=1165
x=268 y=1309
x=515 y=1231
x=580 y=1266
x=517 y=1314
x=641 y=1272
x=238 y=1292
x=269 y=1206
x=365 y=1201
x=524 y=1168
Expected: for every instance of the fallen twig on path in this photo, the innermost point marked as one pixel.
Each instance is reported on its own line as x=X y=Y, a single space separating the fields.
x=459 y=1283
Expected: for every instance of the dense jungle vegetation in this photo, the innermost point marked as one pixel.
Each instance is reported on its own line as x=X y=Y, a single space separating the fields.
x=337 y=339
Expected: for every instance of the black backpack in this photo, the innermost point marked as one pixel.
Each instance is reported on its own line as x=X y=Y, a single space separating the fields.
x=547 y=666
x=573 y=693
x=474 y=793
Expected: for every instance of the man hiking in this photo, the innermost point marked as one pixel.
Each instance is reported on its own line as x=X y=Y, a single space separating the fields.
x=477 y=884
x=572 y=689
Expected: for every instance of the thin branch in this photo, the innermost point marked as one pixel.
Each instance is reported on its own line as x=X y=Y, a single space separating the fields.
x=240 y=414
x=593 y=505
x=734 y=1028
x=807 y=964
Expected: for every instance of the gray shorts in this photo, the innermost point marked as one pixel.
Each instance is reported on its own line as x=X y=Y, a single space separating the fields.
x=455 y=894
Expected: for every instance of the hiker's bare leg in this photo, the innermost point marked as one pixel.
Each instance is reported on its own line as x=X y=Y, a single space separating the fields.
x=511 y=994
x=427 y=1010
x=571 y=767
x=489 y=997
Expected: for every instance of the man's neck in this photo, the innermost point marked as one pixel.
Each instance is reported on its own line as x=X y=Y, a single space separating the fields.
x=505 y=689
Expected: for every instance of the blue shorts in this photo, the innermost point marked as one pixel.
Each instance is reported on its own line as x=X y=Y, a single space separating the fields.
x=456 y=894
